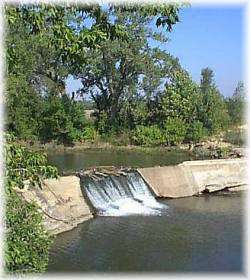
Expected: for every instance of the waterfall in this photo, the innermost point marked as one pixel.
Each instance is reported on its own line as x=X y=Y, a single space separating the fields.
x=121 y=195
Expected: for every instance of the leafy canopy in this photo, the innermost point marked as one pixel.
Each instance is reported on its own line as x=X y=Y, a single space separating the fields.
x=27 y=242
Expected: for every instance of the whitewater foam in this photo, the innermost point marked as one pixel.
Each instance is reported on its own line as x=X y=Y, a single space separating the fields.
x=122 y=196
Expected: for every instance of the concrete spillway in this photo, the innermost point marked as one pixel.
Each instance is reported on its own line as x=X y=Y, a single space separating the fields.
x=121 y=195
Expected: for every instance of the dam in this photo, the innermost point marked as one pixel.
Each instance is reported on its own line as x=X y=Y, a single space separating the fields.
x=71 y=200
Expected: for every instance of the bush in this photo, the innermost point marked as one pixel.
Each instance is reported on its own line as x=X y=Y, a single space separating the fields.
x=174 y=131
x=147 y=136
x=27 y=242
x=195 y=132
x=90 y=133
x=102 y=123
x=120 y=139
x=64 y=119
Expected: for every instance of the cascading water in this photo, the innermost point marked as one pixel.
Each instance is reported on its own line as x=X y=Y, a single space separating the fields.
x=121 y=195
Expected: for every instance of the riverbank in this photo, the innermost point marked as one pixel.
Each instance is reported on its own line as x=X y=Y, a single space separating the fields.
x=209 y=149
x=226 y=144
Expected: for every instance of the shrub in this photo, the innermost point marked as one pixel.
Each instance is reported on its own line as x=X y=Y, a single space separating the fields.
x=120 y=139
x=174 y=131
x=195 y=132
x=27 y=242
x=64 y=119
x=102 y=123
x=90 y=133
x=147 y=136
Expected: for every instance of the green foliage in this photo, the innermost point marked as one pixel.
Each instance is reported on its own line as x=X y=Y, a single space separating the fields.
x=102 y=123
x=23 y=108
x=147 y=135
x=24 y=164
x=207 y=81
x=174 y=131
x=181 y=99
x=90 y=134
x=132 y=84
x=237 y=105
x=61 y=119
x=213 y=113
x=27 y=243
x=195 y=132
x=114 y=73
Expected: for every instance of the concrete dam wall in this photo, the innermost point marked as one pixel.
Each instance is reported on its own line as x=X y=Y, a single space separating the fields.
x=61 y=201
x=194 y=177
x=68 y=201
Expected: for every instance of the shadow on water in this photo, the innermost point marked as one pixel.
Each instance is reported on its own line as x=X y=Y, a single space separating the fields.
x=195 y=234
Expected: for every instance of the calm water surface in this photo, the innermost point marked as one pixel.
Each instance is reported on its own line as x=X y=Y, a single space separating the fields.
x=76 y=160
x=196 y=234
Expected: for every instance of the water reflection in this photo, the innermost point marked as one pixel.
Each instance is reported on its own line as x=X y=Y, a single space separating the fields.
x=76 y=160
x=192 y=237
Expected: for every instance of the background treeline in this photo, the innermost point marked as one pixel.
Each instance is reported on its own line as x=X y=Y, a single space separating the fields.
x=140 y=93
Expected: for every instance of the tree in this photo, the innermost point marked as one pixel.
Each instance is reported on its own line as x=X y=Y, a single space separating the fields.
x=213 y=112
x=63 y=120
x=180 y=100
x=47 y=43
x=119 y=72
x=239 y=91
x=24 y=108
x=207 y=81
x=236 y=104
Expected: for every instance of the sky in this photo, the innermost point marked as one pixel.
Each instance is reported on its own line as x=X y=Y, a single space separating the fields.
x=207 y=36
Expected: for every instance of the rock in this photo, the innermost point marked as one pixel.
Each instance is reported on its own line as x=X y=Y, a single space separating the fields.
x=240 y=152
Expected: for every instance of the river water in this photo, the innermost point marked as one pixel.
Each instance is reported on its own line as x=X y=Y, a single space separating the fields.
x=194 y=234
x=75 y=160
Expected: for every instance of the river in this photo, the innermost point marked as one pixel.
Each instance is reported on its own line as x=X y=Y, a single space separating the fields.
x=73 y=160
x=194 y=234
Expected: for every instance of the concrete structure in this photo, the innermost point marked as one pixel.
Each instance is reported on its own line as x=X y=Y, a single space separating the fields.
x=64 y=206
x=194 y=177
x=61 y=202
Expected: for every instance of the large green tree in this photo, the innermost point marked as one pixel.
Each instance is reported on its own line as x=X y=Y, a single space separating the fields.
x=120 y=72
x=47 y=43
x=181 y=99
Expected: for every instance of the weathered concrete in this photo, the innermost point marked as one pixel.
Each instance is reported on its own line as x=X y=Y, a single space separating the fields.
x=61 y=202
x=64 y=206
x=194 y=177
